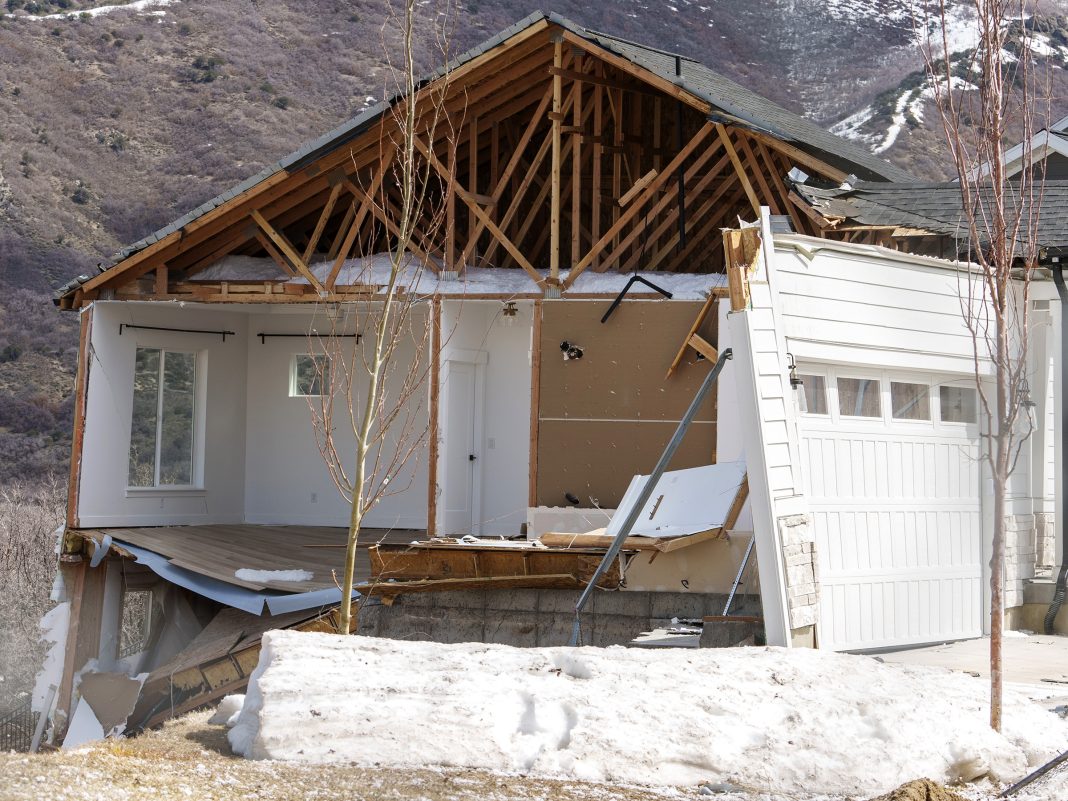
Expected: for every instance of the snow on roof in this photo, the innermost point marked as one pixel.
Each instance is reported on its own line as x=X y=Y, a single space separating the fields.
x=375 y=269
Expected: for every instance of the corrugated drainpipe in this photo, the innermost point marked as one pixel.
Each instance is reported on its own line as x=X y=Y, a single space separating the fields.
x=1062 y=577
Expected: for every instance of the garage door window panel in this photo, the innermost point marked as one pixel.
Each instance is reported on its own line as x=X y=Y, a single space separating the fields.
x=860 y=397
x=813 y=395
x=958 y=404
x=910 y=401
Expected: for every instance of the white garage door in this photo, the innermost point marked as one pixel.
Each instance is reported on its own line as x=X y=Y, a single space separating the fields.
x=892 y=477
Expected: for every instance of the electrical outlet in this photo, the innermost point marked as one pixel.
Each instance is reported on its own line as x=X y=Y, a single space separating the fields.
x=315 y=497
x=492 y=443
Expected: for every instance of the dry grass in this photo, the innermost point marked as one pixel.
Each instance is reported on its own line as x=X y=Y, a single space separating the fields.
x=190 y=759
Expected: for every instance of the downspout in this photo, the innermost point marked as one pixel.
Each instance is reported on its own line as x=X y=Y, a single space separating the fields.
x=1062 y=578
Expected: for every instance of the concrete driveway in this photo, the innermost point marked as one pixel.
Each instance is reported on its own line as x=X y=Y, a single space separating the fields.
x=1026 y=659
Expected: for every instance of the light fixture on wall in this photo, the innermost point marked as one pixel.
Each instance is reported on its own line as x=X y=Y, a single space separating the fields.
x=509 y=313
x=795 y=381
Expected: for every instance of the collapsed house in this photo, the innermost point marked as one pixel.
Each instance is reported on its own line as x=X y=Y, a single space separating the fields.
x=593 y=272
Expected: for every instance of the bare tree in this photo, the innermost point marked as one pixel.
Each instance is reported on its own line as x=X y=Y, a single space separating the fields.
x=369 y=421
x=987 y=99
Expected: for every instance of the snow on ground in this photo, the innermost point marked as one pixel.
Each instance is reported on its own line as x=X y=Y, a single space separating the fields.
x=262 y=576
x=136 y=5
x=792 y=722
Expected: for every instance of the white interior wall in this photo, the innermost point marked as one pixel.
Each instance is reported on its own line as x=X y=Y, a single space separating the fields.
x=286 y=479
x=104 y=499
x=477 y=325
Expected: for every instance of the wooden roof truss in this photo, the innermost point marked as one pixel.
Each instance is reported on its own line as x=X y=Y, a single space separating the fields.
x=547 y=154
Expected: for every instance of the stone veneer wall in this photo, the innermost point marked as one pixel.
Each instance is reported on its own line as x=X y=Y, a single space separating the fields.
x=802 y=572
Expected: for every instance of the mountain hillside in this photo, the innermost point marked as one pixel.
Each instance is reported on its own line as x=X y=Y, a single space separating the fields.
x=118 y=117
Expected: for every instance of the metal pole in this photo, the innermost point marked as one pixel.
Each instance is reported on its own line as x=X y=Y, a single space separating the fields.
x=626 y=523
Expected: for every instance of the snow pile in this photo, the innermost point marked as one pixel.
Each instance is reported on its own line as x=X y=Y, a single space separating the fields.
x=767 y=719
x=263 y=576
x=228 y=710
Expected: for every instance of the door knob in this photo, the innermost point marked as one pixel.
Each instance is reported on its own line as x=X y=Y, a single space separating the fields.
x=471 y=457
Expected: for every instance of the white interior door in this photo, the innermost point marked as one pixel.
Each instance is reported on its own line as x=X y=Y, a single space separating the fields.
x=893 y=481
x=461 y=465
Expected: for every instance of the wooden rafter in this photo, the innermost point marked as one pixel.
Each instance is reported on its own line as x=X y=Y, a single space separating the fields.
x=475 y=209
x=286 y=248
x=725 y=138
x=633 y=209
x=360 y=211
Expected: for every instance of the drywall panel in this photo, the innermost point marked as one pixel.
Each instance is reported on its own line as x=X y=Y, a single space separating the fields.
x=479 y=327
x=607 y=416
x=624 y=360
x=287 y=480
x=219 y=440
x=709 y=566
x=598 y=458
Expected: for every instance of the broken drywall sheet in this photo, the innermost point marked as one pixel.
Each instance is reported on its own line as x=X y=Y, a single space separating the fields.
x=53 y=628
x=112 y=697
x=685 y=501
x=84 y=727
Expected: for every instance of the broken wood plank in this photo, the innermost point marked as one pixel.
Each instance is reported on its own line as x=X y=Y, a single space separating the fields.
x=637 y=188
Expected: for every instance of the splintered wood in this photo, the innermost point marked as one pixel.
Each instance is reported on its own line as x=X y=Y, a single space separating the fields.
x=441 y=566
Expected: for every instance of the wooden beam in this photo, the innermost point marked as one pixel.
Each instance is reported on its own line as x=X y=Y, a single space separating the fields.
x=554 y=202
x=784 y=195
x=576 y=172
x=435 y=394
x=633 y=209
x=287 y=249
x=359 y=213
x=443 y=171
x=509 y=170
x=800 y=156
x=274 y=253
x=598 y=159
x=380 y=214
x=750 y=160
x=637 y=187
x=702 y=346
x=535 y=404
x=81 y=393
x=708 y=306
x=725 y=138
x=328 y=209
x=161 y=279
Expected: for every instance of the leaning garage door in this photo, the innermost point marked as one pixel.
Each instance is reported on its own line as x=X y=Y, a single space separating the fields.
x=892 y=478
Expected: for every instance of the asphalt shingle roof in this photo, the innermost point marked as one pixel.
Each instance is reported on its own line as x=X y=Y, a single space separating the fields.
x=933 y=207
x=722 y=93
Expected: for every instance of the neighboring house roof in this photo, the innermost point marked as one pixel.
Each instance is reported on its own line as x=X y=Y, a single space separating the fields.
x=723 y=94
x=932 y=207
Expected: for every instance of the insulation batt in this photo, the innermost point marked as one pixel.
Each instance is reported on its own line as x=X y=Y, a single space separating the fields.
x=769 y=719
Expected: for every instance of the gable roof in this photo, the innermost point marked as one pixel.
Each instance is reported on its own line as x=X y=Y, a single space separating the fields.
x=931 y=207
x=740 y=105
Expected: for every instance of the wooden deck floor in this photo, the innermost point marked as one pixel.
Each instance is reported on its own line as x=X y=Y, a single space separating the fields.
x=219 y=551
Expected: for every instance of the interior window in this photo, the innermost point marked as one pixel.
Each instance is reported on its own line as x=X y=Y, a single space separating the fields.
x=958 y=404
x=813 y=394
x=910 y=401
x=309 y=375
x=859 y=397
x=161 y=433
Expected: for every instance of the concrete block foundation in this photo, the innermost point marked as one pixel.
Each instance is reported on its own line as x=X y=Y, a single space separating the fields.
x=536 y=618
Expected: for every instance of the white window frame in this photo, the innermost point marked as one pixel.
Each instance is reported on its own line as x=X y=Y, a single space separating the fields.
x=196 y=486
x=934 y=381
x=293 y=388
x=860 y=376
x=802 y=373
